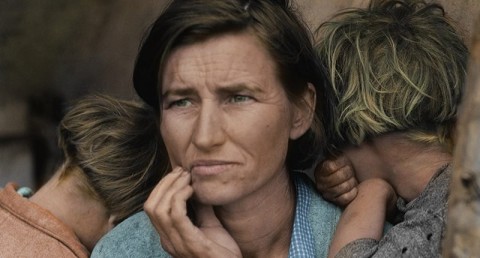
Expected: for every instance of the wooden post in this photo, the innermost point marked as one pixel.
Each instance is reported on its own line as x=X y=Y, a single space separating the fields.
x=462 y=238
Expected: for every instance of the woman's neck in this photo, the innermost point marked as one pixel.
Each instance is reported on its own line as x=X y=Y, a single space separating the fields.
x=263 y=227
x=85 y=215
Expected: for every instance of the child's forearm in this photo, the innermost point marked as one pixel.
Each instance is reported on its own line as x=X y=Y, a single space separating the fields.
x=364 y=217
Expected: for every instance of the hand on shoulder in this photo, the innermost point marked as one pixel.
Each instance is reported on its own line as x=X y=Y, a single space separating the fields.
x=335 y=180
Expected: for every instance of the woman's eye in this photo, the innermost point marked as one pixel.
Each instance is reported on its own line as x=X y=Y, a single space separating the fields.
x=180 y=103
x=239 y=98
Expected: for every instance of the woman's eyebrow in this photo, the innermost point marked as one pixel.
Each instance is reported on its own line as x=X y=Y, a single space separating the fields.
x=222 y=90
x=179 y=92
x=236 y=88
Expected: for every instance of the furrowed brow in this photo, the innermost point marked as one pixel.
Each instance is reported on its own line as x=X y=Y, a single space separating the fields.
x=236 y=88
x=179 y=92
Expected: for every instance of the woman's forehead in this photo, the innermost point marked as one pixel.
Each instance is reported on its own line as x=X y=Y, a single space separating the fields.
x=230 y=59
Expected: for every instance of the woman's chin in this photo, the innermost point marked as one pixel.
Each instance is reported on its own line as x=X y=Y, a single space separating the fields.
x=209 y=196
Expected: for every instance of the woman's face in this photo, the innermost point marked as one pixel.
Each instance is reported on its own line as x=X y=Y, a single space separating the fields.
x=226 y=118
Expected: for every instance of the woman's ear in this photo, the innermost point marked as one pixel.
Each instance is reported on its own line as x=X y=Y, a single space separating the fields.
x=304 y=112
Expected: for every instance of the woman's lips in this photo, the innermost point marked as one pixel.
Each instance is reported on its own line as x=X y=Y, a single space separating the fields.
x=210 y=167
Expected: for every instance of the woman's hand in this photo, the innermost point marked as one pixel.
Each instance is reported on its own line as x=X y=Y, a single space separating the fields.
x=335 y=180
x=167 y=209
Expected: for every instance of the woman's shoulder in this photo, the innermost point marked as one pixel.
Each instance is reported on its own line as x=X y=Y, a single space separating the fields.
x=134 y=237
x=308 y=194
x=317 y=214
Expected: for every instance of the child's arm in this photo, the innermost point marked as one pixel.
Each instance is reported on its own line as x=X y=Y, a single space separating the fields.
x=364 y=217
x=335 y=180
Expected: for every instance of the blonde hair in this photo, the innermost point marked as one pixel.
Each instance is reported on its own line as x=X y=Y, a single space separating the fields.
x=394 y=66
x=116 y=146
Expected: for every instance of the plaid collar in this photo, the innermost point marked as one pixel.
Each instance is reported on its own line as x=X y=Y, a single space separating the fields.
x=302 y=242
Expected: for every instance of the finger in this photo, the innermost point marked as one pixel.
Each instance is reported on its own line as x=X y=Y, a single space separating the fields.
x=345 y=187
x=168 y=211
x=326 y=168
x=206 y=216
x=329 y=166
x=208 y=239
x=159 y=206
x=178 y=204
x=346 y=198
x=184 y=233
x=341 y=161
x=340 y=176
x=160 y=189
x=333 y=192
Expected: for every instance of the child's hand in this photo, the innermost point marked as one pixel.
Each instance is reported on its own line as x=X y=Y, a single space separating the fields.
x=335 y=179
x=167 y=209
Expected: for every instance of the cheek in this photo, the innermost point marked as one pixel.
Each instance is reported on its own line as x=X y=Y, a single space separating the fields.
x=268 y=134
x=172 y=139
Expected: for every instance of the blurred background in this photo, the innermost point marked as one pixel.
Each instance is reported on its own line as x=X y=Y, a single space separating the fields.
x=55 y=51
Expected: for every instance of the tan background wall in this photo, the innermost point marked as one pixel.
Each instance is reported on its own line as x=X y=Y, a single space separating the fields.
x=56 y=50
x=90 y=45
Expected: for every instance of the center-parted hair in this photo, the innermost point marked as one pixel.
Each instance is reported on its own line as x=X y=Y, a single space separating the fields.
x=394 y=66
x=114 y=146
x=275 y=24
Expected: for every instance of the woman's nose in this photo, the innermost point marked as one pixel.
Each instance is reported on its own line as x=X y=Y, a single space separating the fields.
x=208 y=133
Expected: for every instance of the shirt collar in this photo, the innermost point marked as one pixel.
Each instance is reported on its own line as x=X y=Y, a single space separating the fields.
x=302 y=243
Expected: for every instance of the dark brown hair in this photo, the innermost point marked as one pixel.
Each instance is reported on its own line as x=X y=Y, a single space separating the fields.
x=274 y=23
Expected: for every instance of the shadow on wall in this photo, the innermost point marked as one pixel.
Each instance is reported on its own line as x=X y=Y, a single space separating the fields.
x=28 y=150
x=52 y=52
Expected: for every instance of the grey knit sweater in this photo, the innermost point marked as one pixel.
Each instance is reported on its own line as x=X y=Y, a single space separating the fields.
x=420 y=231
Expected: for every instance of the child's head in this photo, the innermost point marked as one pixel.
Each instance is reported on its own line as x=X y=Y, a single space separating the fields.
x=112 y=147
x=394 y=66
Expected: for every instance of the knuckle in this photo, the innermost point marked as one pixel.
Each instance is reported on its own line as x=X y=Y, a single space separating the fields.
x=340 y=201
x=349 y=171
x=148 y=206
x=349 y=196
x=343 y=200
x=328 y=197
x=353 y=182
x=343 y=187
x=177 y=215
x=348 y=185
x=330 y=165
x=342 y=175
x=327 y=167
x=158 y=213
x=176 y=198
